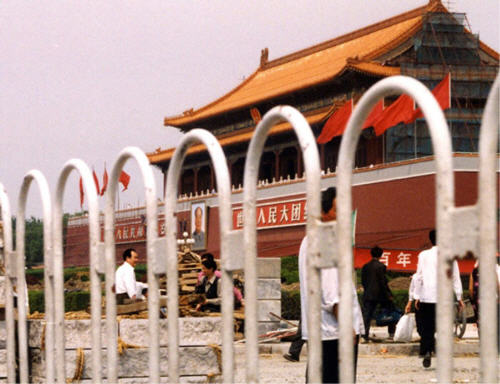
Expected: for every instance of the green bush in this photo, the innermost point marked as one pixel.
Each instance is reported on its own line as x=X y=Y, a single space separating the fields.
x=290 y=269
x=76 y=301
x=37 y=273
x=84 y=278
x=37 y=301
x=73 y=301
x=290 y=302
x=68 y=275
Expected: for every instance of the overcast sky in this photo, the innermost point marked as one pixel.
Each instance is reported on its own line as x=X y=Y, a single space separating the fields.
x=85 y=79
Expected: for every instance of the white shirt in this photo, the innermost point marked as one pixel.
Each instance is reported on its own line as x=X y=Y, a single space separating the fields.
x=426 y=290
x=329 y=297
x=125 y=280
x=413 y=286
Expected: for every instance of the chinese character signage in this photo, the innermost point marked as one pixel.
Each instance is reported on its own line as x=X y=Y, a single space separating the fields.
x=394 y=259
x=133 y=231
x=275 y=215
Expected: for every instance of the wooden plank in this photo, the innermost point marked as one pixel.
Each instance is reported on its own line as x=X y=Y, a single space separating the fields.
x=188 y=281
x=190 y=265
x=190 y=275
x=131 y=308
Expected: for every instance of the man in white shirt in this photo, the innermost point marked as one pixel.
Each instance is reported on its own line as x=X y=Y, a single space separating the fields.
x=329 y=301
x=411 y=298
x=126 y=287
x=426 y=296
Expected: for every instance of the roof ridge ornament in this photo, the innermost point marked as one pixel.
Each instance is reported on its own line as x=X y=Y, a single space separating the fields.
x=264 y=57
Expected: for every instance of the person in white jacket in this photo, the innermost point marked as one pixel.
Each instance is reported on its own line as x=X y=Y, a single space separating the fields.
x=330 y=297
x=426 y=296
x=411 y=298
x=126 y=287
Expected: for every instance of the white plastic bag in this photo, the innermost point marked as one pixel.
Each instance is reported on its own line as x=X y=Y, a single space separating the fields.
x=404 y=328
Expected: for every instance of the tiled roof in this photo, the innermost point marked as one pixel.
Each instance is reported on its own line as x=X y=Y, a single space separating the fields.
x=160 y=156
x=317 y=64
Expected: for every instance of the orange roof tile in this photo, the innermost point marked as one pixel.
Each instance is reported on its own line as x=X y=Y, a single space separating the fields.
x=160 y=156
x=320 y=63
x=315 y=65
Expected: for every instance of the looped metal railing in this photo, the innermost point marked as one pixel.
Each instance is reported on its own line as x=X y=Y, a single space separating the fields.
x=311 y=161
x=224 y=195
x=329 y=245
x=22 y=298
x=446 y=215
x=95 y=283
x=152 y=258
x=10 y=281
x=488 y=194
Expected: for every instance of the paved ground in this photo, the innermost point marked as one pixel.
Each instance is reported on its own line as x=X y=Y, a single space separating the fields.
x=371 y=369
x=378 y=362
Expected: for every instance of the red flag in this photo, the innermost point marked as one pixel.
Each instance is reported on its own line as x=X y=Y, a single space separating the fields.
x=96 y=181
x=124 y=179
x=399 y=111
x=442 y=94
x=374 y=114
x=335 y=125
x=82 y=195
x=104 y=181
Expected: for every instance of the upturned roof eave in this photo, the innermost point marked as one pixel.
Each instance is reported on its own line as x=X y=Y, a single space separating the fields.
x=187 y=122
x=162 y=156
x=191 y=117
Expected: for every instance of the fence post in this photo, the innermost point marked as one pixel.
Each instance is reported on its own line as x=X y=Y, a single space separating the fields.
x=10 y=278
x=311 y=160
x=444 y=203
x=153 y=270
x=488 y=194
x=224 y=193
x=95 y=284
x=35 y=175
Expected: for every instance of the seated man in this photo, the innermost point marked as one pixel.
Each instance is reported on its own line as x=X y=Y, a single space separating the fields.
x=210 y=287
x=127 y=289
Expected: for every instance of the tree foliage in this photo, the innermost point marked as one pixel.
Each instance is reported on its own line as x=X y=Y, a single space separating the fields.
x=33 y=239
x=33 y=243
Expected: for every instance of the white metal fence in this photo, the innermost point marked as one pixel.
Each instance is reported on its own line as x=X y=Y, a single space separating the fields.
x=462 y=229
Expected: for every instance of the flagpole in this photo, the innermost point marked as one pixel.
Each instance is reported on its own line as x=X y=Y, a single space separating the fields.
x=415 y=138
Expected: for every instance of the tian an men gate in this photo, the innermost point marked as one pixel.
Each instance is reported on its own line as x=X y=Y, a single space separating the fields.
x=476 y=233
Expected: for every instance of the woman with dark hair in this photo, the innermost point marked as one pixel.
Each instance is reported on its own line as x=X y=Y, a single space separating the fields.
x=238 y=296
x=210 y=286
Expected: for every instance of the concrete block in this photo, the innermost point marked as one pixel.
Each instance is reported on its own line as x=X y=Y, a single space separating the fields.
x=266 y=306
x=77 y=333
x=193 y=331
x=269 y=289
x=195 y=361
x=269 y=267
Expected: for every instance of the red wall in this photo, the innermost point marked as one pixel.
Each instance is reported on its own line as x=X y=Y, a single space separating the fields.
x=394 y=214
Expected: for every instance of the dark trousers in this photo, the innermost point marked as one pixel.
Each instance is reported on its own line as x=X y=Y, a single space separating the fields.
x=297 y=343
x=418 y=321
x=330 y=361
x=369 y=307
x=428 y=327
